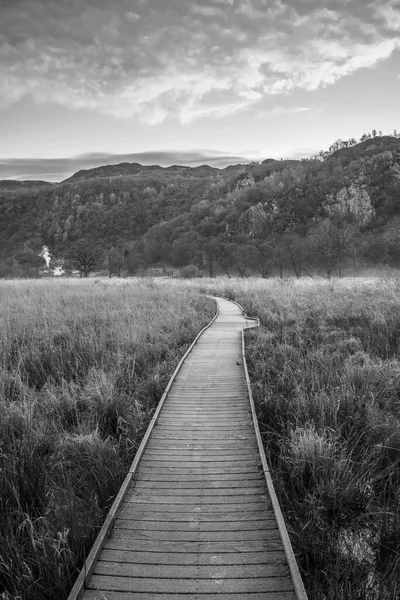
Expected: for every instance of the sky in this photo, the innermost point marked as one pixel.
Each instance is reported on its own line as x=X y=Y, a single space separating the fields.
x=91 y=82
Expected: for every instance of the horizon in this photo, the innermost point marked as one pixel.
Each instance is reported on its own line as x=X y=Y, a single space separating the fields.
x=215 y=82
x=192 y=160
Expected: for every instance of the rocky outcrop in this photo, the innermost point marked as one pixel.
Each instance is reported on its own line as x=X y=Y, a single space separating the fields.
x=353 y=201
x=253 y=221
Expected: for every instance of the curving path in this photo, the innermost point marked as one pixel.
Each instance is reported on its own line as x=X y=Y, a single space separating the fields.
x=198 y=521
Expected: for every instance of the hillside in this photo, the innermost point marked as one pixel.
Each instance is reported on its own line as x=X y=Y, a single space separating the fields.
x=334 y=213
x=14 y=185
x=132 y=169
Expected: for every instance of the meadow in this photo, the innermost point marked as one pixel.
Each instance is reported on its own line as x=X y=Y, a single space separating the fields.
x=325 y=373
x=85 y=362
x=83 y=365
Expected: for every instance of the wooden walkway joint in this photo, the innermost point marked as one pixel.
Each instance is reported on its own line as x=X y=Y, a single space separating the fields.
x=197 y=516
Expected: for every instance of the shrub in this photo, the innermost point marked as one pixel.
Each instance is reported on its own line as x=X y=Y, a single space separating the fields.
x=190 y=272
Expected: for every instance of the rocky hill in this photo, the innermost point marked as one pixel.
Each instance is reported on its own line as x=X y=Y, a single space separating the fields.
x=324 y=214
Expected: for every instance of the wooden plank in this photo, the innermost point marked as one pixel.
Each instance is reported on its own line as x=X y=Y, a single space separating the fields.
x=221 y=408
x=196 y=493
x=200 y=479
x=218 y=406
x=209 y=453
x=187 y=586
x=200 y=463
x=223 y=424
x=113 y=595
x=121 y=530
x=200 y=411
x=213 y=417
x=200 y=468
x=212 y=422
x=203 y=484
x=128 y=521
x=208 y=499
x=203 y=508
x=177 y=517
x=198 y=456
x=242 y=571
x=199 y=408
x=198 y=436
x=192 y=558
x=205 y=446
x=213 y=399
x=165 y=547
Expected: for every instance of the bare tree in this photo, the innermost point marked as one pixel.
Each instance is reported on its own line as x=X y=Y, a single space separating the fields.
x=325 y=244
x=85 y=256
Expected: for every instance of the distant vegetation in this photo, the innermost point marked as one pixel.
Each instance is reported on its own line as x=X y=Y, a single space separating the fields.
x=325 y=374
x=82 y=367
x=333 y=214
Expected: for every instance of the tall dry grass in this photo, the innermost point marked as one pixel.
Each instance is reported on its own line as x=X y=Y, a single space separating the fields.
x=325 y=373
x=82 y=367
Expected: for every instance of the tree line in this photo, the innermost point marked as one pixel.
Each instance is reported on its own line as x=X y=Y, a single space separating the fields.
x=327 y=217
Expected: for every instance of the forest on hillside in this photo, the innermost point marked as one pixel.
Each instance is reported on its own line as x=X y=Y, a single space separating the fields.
x=332 y=214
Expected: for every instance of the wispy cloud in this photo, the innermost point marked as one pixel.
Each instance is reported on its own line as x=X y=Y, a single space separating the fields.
x=158 y=59
x=57 y=169
x=284 y=110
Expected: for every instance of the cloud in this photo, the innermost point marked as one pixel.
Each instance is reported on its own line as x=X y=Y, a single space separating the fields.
x=284 y=110
x=57 y=169
x=155 y=59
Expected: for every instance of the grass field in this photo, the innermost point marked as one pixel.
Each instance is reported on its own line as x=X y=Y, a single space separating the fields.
x=325 y=373
x=85 y=362
x=82 y=367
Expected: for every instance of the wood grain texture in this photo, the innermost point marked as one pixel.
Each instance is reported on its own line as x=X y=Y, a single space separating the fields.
x=196 y=520
x=113 y=595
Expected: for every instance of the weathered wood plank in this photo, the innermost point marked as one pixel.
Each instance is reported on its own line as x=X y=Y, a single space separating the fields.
x=205 y=445
x=199 y=436
x=208 y=455
x=193 y=558
x=202 y=470
x=197 y=493
x=199 y=462
x=198 y=479
x=178 y=517
x=203 y=507
x=208 y=499
x=241 y=571
x=209 y=416
x=127 y=521
x=113 y=595
x=187 y=586
x=200 y=485
x=165 y=547
x=122 y=530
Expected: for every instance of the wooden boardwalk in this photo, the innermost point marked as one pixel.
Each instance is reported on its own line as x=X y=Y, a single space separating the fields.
x=197 y=517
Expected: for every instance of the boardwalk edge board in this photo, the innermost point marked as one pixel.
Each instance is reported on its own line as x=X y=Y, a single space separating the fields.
x=287 y=546
x=80 y=583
